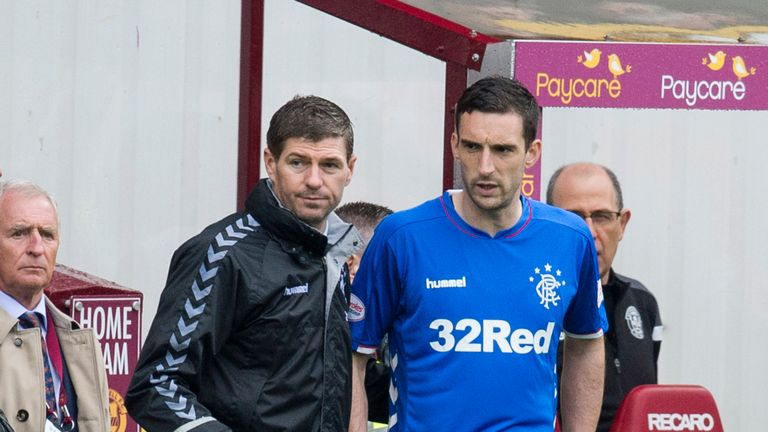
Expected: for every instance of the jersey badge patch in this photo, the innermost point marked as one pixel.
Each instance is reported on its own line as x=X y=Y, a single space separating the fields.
x=547 y=285
x=356 y=309
x=634 y=322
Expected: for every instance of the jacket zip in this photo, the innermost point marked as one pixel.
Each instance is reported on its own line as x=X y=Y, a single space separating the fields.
x=325 y=341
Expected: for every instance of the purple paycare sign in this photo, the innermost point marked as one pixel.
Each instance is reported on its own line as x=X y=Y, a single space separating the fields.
x=644 y=75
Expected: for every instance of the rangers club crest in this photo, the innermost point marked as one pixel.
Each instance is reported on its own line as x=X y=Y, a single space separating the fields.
x=547 y=285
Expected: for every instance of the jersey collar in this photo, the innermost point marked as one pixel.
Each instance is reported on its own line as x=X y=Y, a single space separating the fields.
x=450 y=211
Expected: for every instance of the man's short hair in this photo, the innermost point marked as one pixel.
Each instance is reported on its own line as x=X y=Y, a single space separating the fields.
x=364 y=216
x=309 y=117
x=608 y=171
x=29 y=190
x=501 y=95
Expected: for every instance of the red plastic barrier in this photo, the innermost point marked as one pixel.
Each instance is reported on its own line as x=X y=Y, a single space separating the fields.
x=652 y=408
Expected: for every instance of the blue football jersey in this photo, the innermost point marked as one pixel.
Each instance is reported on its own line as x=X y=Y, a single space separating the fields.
x=474 y=321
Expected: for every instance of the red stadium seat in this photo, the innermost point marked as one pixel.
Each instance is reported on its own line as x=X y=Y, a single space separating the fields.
x=651 y=408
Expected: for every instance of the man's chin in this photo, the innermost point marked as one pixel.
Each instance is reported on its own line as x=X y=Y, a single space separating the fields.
x=28 y=287
x=313 y=217
x=36 y=284
x=486 y=203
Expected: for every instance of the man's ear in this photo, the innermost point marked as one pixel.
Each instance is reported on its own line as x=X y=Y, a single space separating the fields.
x=624 y=217
x=351 y=165
x=353 y=262
x=533 y=153
x=455 y=145
x=270 y=163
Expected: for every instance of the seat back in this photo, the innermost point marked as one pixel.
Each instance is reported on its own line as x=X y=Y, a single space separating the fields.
x=652 y=408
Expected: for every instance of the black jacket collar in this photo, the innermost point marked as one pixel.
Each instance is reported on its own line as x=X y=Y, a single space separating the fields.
x=281 y=222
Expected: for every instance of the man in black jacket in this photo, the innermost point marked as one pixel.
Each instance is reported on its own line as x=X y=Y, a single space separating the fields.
x=251 y=331
x=634 y=337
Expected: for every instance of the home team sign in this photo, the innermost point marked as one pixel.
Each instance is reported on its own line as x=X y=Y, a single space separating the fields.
x=117 y=323
x=643 y=75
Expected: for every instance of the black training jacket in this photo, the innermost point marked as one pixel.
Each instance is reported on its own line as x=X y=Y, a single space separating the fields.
x=632 y=342
x=251 y=331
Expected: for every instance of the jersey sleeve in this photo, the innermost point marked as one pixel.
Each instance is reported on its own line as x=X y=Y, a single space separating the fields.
x=658 y=330
x=375 y=293
x=658 y=326
x=585 y=318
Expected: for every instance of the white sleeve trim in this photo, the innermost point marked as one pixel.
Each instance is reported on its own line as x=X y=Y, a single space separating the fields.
x=657 y=333
x=366 y=350
x=193 y=424
x=594 y=335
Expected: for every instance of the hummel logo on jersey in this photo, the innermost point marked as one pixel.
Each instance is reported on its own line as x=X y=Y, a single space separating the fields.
x=298 y=289
x=447 y=283
x=547 y=285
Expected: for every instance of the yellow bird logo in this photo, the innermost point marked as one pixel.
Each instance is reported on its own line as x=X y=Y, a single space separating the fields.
x=714 y=61
x=591 y=59
x=740 y=69
x=614 y=65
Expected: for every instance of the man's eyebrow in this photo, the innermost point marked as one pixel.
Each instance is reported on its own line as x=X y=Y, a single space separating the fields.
x=28 y=227
x=332 y=158
x=466 y=141
x=493 y=144
x=319 y=157
x=49 y=230
x=295 y=154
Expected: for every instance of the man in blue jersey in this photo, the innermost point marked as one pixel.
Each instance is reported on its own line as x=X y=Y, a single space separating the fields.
x=365 y=216
x=474 y=288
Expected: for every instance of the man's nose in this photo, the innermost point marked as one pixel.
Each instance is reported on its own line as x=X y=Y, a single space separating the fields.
x=314 y=177
x=486 y=162
x=591 y=226
x=35 y=246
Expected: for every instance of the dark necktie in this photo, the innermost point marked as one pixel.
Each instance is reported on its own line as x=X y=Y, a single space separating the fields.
x=32 y=320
